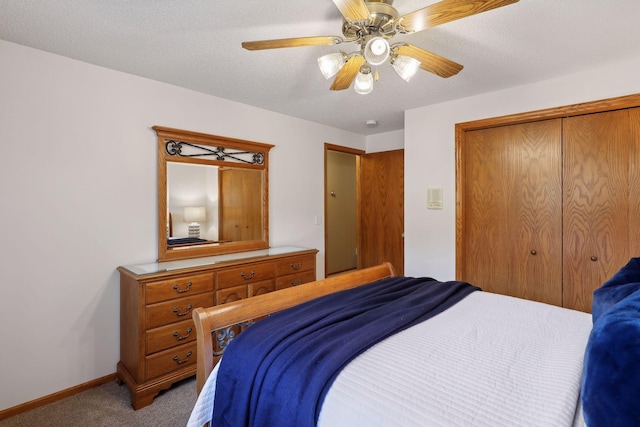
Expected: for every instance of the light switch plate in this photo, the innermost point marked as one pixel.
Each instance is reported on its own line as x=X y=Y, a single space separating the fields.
x=434 y=198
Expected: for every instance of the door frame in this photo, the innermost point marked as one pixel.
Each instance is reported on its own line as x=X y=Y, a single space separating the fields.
x=358 y=154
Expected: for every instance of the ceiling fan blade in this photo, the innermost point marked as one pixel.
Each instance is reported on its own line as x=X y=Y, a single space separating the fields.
x=353 y=10
x=348 y=73
x=446 y=11
x=431 y=62
x=293 y=42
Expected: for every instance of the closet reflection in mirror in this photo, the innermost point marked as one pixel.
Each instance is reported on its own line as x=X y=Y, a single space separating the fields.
x=211 y=205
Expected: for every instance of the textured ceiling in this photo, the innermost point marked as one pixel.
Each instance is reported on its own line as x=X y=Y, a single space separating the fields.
x=196 y=44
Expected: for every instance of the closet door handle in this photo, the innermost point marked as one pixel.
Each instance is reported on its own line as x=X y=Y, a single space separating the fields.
x=594 y=258
x=533 y=252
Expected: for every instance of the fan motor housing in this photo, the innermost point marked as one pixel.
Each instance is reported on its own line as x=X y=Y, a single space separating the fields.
x=380 y=22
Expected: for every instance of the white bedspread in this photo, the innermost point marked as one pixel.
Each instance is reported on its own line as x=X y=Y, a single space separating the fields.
x=491 y=360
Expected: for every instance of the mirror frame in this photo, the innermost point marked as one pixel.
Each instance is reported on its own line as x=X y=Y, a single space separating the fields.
x=214 y=153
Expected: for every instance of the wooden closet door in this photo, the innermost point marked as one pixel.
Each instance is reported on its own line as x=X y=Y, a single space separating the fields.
x=598 y=220
x=486 y=255
x=512 y=210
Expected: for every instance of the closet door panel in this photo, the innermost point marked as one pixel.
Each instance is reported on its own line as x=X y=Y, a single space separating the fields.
x=535 y=211
x=513 y=203
x=596 y=202
x=486 y=256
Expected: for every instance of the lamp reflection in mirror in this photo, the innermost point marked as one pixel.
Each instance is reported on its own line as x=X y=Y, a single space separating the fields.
x=364 y=81
x=405 y=66
x=332 y=63
x=194 y=215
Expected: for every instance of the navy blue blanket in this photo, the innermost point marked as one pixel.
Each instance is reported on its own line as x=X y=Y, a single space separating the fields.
x=278 y=371
x=184 y=240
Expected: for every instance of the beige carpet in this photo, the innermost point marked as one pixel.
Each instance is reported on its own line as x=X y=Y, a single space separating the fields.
x=109 y=405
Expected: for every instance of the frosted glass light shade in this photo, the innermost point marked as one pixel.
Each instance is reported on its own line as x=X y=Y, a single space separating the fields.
x=376 y=51
x=405 y=66
x=330 y=64
x=364 y=83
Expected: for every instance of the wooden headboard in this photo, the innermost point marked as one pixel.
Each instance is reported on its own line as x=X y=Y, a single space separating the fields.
x=209 y=320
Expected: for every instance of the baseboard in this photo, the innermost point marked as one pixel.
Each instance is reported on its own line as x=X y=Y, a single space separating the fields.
x=33 y=404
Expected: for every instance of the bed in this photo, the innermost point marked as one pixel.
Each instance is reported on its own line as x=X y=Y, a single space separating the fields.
x=485 y=360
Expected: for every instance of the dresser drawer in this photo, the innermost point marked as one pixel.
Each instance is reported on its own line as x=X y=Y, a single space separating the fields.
x=176 y=310
x=165 y=337
x=170 y=360
x=245 y=275
x=296 y=264
x=178 y=287
x=295 y=279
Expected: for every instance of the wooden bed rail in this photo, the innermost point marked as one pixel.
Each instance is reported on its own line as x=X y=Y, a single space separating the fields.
x=209 y=320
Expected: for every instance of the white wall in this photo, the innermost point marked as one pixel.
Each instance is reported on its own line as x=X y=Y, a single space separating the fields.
x=386 y=141
x=78 y=190
x=430 y=153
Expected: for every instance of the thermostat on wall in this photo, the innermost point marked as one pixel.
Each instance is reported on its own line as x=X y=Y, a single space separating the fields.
x=434 y=198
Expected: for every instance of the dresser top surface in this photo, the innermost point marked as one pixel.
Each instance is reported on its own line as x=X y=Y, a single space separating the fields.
x=184 y=264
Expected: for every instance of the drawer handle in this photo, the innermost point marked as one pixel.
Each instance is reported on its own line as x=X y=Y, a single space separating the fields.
x=184 y=313
x=180 y=362
x=594 y=258
x=293 y=282
x=253 y=273
x=296 y=267
x=178 y=290
x=183 y=337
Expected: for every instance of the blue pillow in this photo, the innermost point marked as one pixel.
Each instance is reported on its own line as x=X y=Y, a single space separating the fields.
x=622 y=284
x=611 y=378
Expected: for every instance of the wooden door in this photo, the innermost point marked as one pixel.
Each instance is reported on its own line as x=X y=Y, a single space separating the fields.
x=512 y=210
x=382 y=209
x=598 y=218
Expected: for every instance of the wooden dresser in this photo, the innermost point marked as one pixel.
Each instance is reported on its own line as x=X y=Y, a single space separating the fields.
x=157 y=336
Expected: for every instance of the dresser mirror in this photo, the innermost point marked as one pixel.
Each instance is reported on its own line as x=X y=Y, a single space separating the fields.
x=212 y=195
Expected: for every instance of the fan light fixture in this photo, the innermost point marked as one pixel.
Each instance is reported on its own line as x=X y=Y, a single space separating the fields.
x=376 y=51
x=364 y=81
x=405 y=66
x=330 y=64
x=371 y=24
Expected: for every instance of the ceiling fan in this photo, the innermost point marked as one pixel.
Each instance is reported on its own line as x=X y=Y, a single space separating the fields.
x=370 y=24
